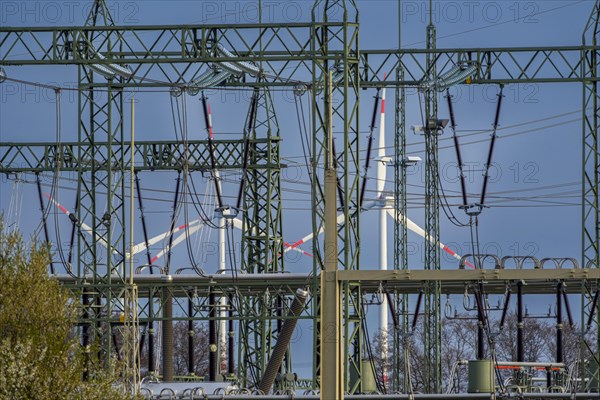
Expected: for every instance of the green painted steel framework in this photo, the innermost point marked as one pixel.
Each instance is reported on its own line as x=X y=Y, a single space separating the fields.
x=298 y=56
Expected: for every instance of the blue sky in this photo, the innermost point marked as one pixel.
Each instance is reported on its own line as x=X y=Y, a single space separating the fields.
x=542 y=158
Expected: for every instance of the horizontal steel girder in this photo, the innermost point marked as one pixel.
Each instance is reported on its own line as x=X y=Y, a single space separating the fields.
x=149 y=156
x=287 y=49
x=536 y=281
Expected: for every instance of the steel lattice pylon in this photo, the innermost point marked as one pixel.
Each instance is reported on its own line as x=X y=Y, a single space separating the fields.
x=340 y=38
x=400 y=350
x=101 y=121
x=262 y=235
x=432 y=312
x=591 y=183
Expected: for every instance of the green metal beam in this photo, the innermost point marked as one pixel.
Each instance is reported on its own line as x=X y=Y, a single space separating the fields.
x=432 y=310
x=262 y=236
x=149 y=155
x=335 y=48
x=591 y=183
x=400 y=350
x=286 y=54
x=539 y=281
x=471 y=275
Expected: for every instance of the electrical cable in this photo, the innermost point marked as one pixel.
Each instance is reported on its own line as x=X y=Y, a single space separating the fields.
x=186 y=187
x=176 y=210
x=369 y=149
x=479 y=132
x=249 y=132
x=446 y=206
x=44 y=221
x=475 y=243
x=488 y=163
x=200 y=208
x=16 y=198
x=512 y=20
x=234 y=270
x=416 y=202
x=459 y=162
x=143 y=220
x=302 y=132
x=56 y=184
x=211 y=148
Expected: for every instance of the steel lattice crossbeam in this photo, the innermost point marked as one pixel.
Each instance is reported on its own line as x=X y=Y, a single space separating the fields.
x=149 y=156
x=289 y=46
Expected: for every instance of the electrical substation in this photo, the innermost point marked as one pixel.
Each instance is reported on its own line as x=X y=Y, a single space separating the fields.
x=99 y=184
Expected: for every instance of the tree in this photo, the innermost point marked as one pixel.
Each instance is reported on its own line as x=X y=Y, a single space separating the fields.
x=459 y=342
x=181 y=352
x=39 y=352
x=201 y=348
x=538 y=339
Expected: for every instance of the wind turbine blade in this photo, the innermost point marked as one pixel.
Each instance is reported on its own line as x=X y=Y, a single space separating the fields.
x=340 y=220
x=179 y=239
x=152 y=241
x=296 y=248
x=419 y=231
x=84 y=227
x=303 y=240
x=237 y=224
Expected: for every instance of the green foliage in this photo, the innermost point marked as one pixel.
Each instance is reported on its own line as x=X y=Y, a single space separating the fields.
x=40 y=356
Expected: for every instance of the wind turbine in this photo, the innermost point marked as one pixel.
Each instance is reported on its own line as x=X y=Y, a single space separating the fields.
x=381 y=204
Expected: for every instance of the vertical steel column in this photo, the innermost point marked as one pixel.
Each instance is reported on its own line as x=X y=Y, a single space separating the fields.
x=334 y=44
x=230 y=338
x=167 y=335
x=591 y=123
x=191 y=334
x=433 y=332
x=559 y=324
x=400 y=378
x=101 y=197
x=480 y=324
x=520 y=324
x=318 y=68
x=262 y=242
x=591 y=179
x=131 y=337
x=151 y=363
x=400 y=373
x=212 y=337
x=332 y=372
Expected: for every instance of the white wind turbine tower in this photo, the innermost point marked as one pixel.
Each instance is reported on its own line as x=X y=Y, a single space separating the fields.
x=380 y=181
x=383 y=209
